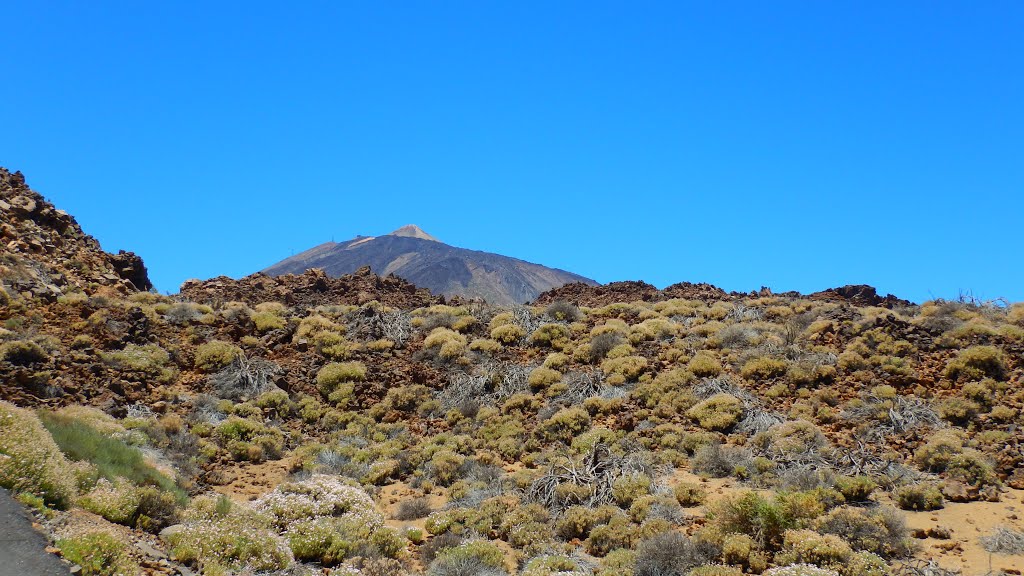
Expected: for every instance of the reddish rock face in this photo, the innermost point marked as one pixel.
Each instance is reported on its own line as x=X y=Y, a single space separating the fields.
x=310 y=289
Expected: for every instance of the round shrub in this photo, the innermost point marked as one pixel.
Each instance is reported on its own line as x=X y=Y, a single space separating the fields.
x=476 y=557
x=216 y=354
x=565 y=424
x=624 y=368
x=825 y=550
x=541 y=377
x=23 y=353
x=446 y=343
x=336 y=373
x=882 y=531
x=719 y=412
x=508 y=333
x=976 y=363
x=690 y=494
x=763 y=368
x=704 y=365
x=556 y=336
x=921 y=497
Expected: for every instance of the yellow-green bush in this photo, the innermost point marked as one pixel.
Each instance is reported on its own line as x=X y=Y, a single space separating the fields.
x=508 y=333
x=445 y=466
x=824 y=550
x=30 y=460
x=541 y=378
x=719 y=412
x=409 y=399
x=116 y=502
x=149 y=360
x=919 y=497
x=751 y=514
x=556 y=336
x=268 y=321
x=704 y=365
x=626 y=489
x=485 y=345
x=619 y=532
x=578 y=521
x=939 y=449
x=474 y=553
x=624 y=368
x=565 y=424
x=447 y=343
x=333 y=375
x=216 y=354
x=881 y=531
x=550 y=566
x=248 y=440
x=690 y=494
x=958 y=411
x=23 y=353
x=764 y=368
x=976 y=363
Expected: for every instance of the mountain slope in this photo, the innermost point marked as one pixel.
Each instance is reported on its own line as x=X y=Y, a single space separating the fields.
x=418 y=257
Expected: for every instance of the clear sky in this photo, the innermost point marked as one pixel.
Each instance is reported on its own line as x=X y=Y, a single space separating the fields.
x=795 y=145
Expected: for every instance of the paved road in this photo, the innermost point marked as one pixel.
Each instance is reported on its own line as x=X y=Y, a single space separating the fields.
x=22 y=549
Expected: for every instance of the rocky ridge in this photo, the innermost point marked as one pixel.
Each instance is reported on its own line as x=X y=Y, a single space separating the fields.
x=44 y=253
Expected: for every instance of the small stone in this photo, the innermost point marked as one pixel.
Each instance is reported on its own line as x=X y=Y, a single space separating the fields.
x=76 y=569
x=171 y=531
x=150 y=551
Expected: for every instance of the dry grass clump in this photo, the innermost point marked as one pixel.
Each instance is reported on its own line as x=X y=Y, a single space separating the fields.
x=624 y=369
x=1004 y=540
x=764 y=368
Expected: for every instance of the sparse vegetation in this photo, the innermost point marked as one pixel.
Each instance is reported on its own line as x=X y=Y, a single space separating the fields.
x=646 y=432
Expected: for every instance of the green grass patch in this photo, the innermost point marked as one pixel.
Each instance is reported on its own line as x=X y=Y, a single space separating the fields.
x=112 y=457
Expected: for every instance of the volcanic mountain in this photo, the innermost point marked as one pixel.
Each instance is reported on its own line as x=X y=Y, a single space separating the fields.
x=418 y=257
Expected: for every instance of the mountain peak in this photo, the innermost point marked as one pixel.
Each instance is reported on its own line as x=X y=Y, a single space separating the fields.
x=413 y=231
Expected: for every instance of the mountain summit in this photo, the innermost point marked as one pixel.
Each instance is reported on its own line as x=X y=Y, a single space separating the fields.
x=422 y=259
x=413 y=231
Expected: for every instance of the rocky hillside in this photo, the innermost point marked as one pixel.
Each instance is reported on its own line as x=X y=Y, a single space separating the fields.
x=418 y=257
x=44 y=253
x=304 y=424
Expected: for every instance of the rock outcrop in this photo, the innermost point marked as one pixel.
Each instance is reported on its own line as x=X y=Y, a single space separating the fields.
x=44 y=253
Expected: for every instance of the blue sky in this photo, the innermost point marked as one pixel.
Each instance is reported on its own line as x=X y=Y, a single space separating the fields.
x=795 y=145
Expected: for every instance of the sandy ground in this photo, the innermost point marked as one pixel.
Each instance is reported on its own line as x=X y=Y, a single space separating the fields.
x=968 y=522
